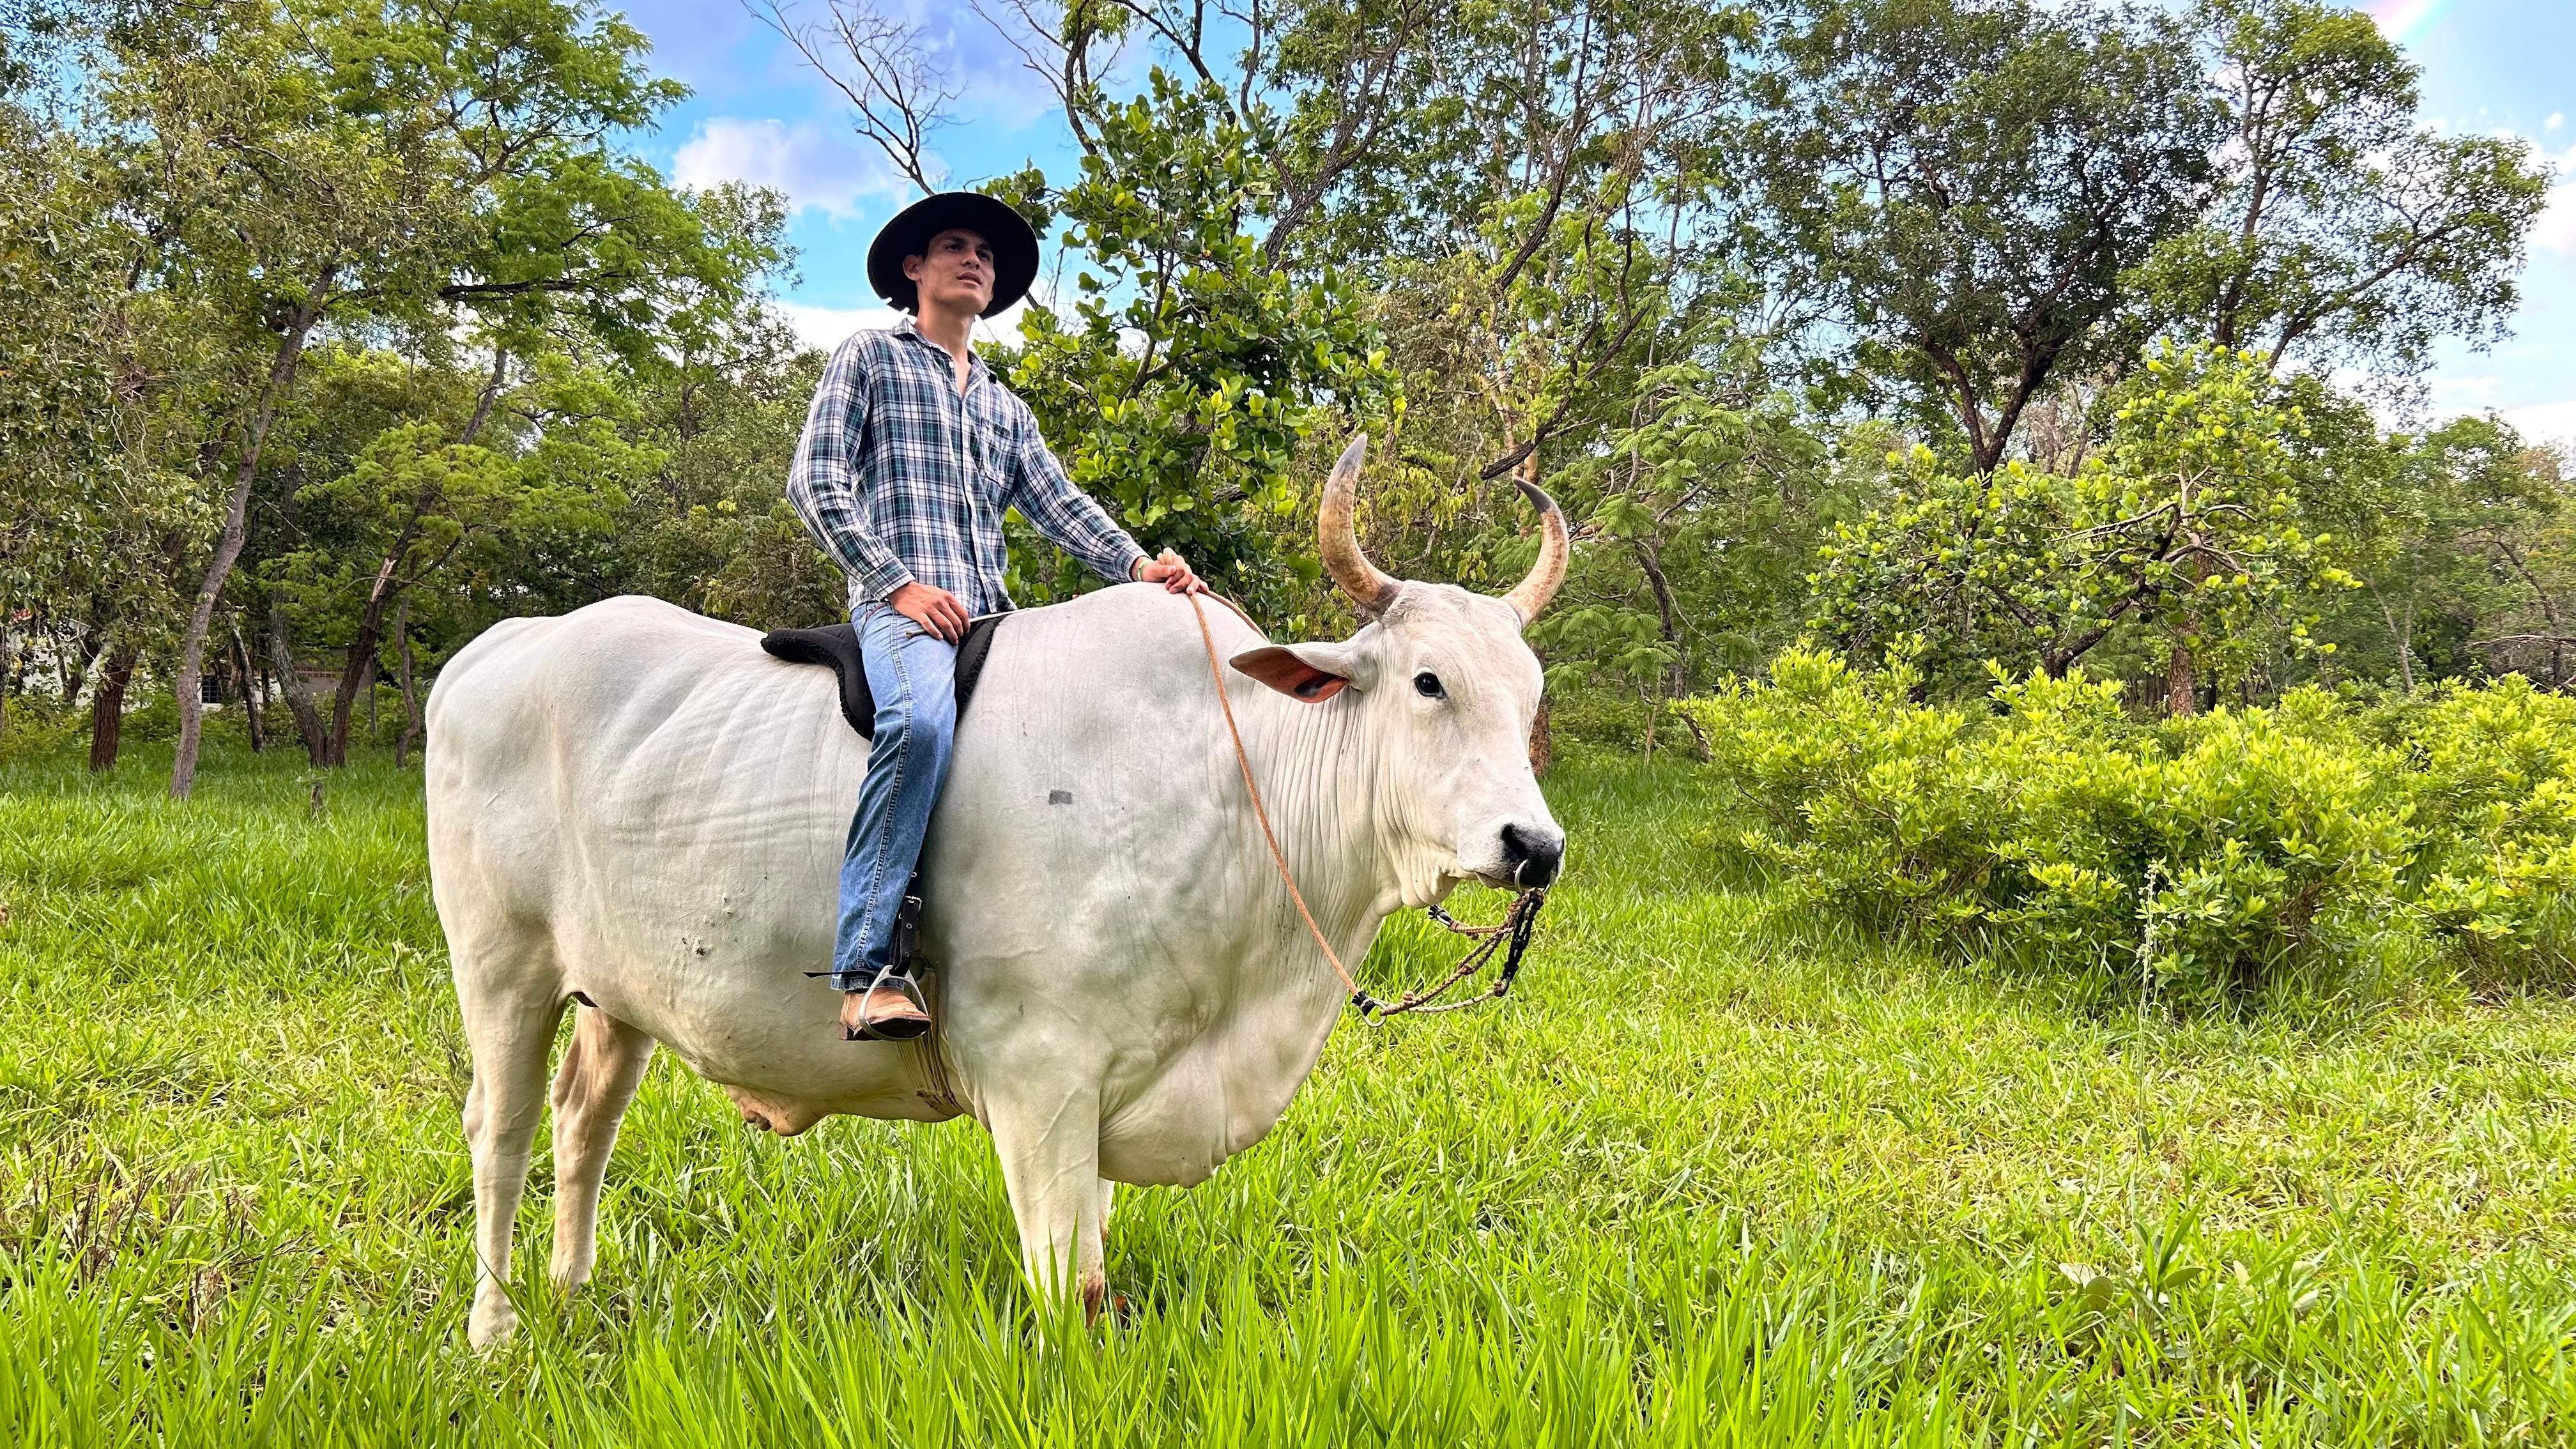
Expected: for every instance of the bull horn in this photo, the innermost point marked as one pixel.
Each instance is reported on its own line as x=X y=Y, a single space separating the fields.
x=1369 y=587
x=1532 y=593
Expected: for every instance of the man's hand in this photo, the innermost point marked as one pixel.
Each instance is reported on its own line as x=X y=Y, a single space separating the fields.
x=932 y=607
x=1170 y=572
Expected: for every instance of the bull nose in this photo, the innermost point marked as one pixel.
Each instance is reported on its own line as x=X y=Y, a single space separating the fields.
x=1532 y=856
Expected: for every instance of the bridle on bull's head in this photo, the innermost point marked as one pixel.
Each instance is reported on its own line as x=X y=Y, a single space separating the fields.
x=1375 y=591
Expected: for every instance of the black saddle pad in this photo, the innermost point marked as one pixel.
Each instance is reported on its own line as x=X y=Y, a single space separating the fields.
x=838 y=646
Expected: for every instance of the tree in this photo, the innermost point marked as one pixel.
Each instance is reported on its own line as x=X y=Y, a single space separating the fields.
x=1189 y=437
x=712 y=528
x=1489 y=167
x=2536 y=629
x=1540 y=218
x=1337 y=96
x=2343 y=233
x=1705 y=514
x=2189 y=527
x=249 y=189
x=2477 y=510
x=97 y=384
x=423 y=496
x=442 y=168
x=1968 y=182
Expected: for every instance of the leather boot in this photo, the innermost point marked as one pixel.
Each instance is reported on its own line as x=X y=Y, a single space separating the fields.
x=891 y=1010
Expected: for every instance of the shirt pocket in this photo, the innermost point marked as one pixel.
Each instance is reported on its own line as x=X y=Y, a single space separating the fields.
x=993 y=442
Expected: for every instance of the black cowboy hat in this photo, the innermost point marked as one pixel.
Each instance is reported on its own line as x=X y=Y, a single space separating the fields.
x=1015 y=245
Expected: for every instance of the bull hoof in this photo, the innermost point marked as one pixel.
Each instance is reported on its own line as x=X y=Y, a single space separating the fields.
x=490 y=1325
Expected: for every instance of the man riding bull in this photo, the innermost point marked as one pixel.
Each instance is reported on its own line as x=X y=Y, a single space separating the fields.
x=912 y=453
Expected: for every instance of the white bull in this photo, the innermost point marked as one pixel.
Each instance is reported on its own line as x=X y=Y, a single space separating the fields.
x=635 y=807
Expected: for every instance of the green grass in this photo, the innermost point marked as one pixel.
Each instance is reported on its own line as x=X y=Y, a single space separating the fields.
x=1701 y=1180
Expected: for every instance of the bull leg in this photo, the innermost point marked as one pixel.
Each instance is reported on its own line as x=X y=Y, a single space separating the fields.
x=1050 y=1155
x=1108 y=1190
x=600 y=1072
x=509 y=1036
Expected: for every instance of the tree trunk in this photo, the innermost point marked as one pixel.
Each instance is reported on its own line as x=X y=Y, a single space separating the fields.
x=299 y=700
x=250 y=689
x=1542 y=746
x=492 y=394
x=23 y=653
x=411 y=700
x=2548 y=611
x=360 y=673
x=2182 y=692
x=1699 y=736
x=107 y=710
x=1676 y=682
x=2402 y=635
x=219 y=569
x=92 y=640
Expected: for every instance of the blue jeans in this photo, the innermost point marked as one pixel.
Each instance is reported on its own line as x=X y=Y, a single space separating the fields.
x=913 y=674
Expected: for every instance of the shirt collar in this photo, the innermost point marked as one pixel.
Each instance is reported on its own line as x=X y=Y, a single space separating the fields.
x=975 y=368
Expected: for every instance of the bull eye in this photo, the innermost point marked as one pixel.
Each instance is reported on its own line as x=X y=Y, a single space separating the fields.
x=1427 y=684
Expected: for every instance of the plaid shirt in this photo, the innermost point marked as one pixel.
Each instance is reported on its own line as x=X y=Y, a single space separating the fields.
x=900 y=478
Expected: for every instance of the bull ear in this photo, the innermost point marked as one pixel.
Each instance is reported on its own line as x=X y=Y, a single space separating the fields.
x=1311 y=672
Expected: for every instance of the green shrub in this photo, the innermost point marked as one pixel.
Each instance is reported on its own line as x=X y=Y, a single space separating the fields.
x=2207 y=855
x=2497 y=781
x=156 y=721
x=2276 y=831
x=37 y=727
x=1853 y=793
x=153 y=718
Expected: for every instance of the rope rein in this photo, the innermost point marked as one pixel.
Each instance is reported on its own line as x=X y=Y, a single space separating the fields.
x=1516 y=925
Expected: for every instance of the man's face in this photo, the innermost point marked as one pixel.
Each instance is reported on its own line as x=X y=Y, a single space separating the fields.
x=954 y=272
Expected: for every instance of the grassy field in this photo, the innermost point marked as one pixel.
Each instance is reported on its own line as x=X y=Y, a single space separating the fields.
x=1704 y=1180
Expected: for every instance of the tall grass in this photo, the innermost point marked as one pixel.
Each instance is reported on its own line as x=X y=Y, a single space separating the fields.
x=1700 y=1181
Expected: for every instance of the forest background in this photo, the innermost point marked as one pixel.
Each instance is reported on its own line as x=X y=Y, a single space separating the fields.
x=1959 y=335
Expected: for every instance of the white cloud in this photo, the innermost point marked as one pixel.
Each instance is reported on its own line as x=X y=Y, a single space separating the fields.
x=2556 y=120
x=2456 y=392
x=2553 y=422
x=819 y=169
x=2556 y=229
x=826 y=327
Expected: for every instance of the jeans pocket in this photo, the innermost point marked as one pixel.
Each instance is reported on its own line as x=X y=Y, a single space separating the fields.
x=883 y=615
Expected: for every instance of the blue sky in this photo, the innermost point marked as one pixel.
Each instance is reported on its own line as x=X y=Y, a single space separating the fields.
x=759 y=114
x=2510 y=65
